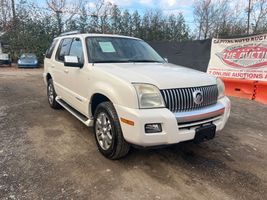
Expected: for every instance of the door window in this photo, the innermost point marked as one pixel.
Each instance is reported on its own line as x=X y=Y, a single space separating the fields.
x=76 y=49
x=64 y=49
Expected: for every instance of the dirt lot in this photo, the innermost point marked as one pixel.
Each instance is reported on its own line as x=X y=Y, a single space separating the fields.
x=49 y=154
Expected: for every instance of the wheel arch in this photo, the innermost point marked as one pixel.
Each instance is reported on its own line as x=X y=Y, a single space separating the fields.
x=96 y=99
x=48 y=77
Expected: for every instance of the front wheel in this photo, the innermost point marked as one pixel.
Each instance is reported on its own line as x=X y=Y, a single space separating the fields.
x=108 y=133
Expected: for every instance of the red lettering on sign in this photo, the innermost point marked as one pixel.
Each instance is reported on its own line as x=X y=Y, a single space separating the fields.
x=249 y=56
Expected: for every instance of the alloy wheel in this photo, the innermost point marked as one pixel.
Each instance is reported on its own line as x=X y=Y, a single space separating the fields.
x=103 y=131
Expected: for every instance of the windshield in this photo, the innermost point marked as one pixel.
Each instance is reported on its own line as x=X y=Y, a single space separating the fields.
x=116 y=50
x=28 y=55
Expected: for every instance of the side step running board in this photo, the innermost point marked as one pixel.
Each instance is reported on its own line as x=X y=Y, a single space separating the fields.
x=77 y=114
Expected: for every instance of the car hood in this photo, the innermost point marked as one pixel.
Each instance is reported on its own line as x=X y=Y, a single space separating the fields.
x=163 y=75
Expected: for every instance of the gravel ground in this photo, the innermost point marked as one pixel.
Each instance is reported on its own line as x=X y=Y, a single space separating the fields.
x=49 y=154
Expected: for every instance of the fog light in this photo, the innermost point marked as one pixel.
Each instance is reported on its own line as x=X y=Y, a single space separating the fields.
x=153 y=128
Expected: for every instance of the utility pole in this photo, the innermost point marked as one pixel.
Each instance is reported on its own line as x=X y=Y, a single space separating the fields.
x=59 y=21
x=249 y=11
x=13 y=9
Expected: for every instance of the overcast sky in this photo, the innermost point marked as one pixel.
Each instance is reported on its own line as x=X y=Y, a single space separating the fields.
x=173 y=6
x=167 y=6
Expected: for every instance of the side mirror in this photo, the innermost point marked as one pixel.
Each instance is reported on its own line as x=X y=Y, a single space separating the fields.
x=166 y=59
x=72 y=61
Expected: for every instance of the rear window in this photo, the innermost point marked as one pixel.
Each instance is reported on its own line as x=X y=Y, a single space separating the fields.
x=50 y=50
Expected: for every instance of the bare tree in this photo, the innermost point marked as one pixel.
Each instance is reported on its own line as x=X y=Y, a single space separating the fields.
x=217 y=18
x=259 y=15
x=64 y=10
x=205 y=15
x=100 y=16
x=5 y=14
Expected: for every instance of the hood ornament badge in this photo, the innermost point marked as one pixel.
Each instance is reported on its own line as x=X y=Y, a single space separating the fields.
x=198 y=96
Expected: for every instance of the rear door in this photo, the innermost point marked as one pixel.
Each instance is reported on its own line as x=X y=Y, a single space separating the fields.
x=50 y=59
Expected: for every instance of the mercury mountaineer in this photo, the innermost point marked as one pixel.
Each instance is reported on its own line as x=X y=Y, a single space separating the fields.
x=130 y=94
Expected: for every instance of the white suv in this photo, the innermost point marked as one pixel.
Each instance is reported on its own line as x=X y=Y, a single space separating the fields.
x=130 y=94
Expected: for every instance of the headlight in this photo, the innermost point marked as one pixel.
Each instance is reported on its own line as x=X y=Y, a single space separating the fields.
x=221 y=88
x=149 y=96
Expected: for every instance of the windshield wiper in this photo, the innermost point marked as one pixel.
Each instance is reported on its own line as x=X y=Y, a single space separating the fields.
x=110 y=61
x=152 y=61
x=126 y=61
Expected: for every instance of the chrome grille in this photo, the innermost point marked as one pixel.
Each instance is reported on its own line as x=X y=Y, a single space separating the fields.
x=181 y=99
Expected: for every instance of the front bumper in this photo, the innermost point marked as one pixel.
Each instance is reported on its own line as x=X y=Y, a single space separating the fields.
x=5 y=62
x=176 y=127
x=28 y=65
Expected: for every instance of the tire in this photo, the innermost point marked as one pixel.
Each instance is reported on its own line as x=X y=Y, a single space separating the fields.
x=108 y=133
x=51 y=95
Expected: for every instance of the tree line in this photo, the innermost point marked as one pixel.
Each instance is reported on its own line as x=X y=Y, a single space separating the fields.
x=28 y=26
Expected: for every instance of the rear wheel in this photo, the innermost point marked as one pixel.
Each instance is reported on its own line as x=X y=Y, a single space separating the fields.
x=108 y=133
x=51 y=95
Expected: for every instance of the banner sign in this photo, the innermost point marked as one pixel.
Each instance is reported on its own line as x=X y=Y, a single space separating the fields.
x=241 y=58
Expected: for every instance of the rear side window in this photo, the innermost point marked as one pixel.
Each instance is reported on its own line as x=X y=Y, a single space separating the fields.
x=64 y=49
x=50 y=50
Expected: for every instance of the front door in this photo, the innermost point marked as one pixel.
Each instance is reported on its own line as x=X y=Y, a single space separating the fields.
x=59 y=70
x=77 y=79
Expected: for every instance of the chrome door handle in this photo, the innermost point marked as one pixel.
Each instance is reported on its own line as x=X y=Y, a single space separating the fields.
x=66 y=71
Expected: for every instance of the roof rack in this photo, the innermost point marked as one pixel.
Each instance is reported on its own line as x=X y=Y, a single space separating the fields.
x=70 y=33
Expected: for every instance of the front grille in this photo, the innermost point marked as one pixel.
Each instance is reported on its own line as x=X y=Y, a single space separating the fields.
x=181 y=99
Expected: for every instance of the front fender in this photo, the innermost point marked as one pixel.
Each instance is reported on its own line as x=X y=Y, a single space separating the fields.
x=119 y=91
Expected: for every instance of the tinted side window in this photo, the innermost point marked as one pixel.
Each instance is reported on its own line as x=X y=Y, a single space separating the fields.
x=76 y=49
x=64 y=49
x=50 y=50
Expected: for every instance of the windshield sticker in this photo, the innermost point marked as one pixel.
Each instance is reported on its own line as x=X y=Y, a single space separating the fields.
x=107 y=47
